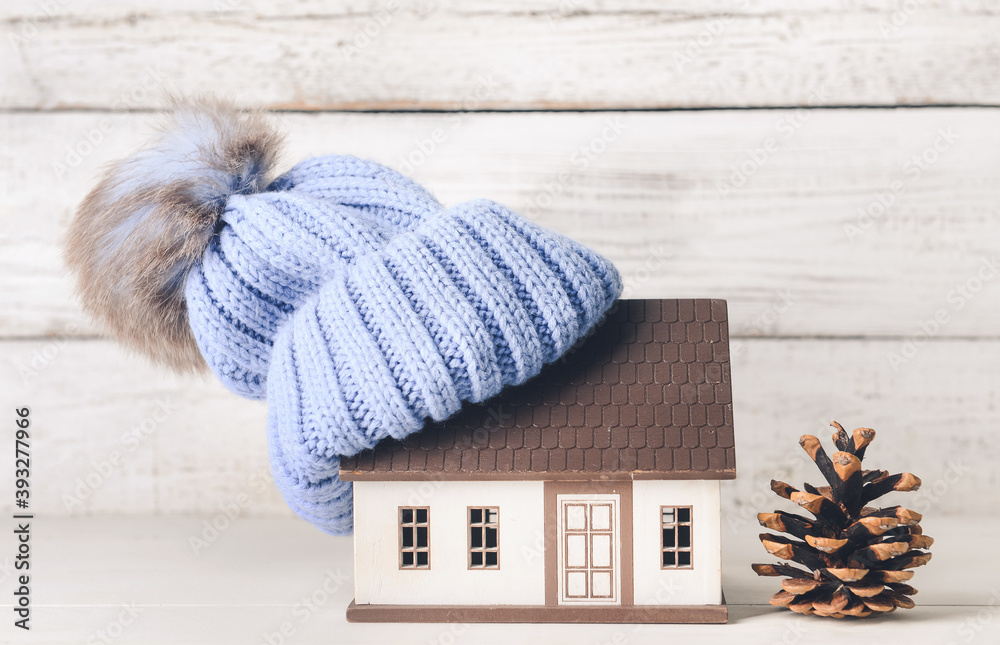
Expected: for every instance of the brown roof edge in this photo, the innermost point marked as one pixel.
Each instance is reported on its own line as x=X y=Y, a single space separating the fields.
x=452 y=476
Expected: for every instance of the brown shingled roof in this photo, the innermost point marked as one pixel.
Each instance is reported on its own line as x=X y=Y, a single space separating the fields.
x=646 y=396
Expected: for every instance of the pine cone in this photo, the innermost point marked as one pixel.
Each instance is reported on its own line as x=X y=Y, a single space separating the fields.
x=857 y=556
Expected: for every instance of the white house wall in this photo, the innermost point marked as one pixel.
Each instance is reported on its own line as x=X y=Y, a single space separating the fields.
x=700 y=585
x=520 y=580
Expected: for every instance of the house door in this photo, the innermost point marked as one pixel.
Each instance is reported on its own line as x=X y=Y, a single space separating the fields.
x=589 y=549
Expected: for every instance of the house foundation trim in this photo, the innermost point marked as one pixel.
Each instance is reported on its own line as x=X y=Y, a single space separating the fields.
x=537 y=614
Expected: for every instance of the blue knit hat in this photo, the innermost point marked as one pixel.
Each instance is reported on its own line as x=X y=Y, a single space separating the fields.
x=341 y=291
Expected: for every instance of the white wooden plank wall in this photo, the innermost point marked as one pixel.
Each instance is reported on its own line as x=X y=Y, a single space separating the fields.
x=394 y=54
x=686 y=203
x=838 y=235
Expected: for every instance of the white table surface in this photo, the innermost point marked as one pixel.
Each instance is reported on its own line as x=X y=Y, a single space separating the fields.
x=138 y=580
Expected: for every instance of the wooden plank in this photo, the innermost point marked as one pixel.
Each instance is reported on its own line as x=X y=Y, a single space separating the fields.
x=185 y=445
x=154 y=565
x=565 y=54
x=781 y=212
x=110 y=9
x=134 y=578
x=42 y=12
x=166 y=625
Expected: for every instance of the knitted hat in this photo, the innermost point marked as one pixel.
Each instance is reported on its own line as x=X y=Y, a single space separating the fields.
x=341 y=291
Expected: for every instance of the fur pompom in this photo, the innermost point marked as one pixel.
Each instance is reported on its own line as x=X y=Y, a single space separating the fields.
x=138 y=233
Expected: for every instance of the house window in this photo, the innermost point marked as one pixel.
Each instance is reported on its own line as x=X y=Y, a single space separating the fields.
x=484 y=537
x=414 y=538
x=675 y=537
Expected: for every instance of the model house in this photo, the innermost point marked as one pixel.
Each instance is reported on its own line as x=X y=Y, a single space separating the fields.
x=588 y=494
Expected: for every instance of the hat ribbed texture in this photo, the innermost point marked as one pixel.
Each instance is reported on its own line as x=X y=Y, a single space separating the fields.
x=361 y=308
x=277 y=247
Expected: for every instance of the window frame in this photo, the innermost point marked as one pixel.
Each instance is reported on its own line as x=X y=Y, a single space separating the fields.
x=675 y=548
x=470 y=525
x=414 y=549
